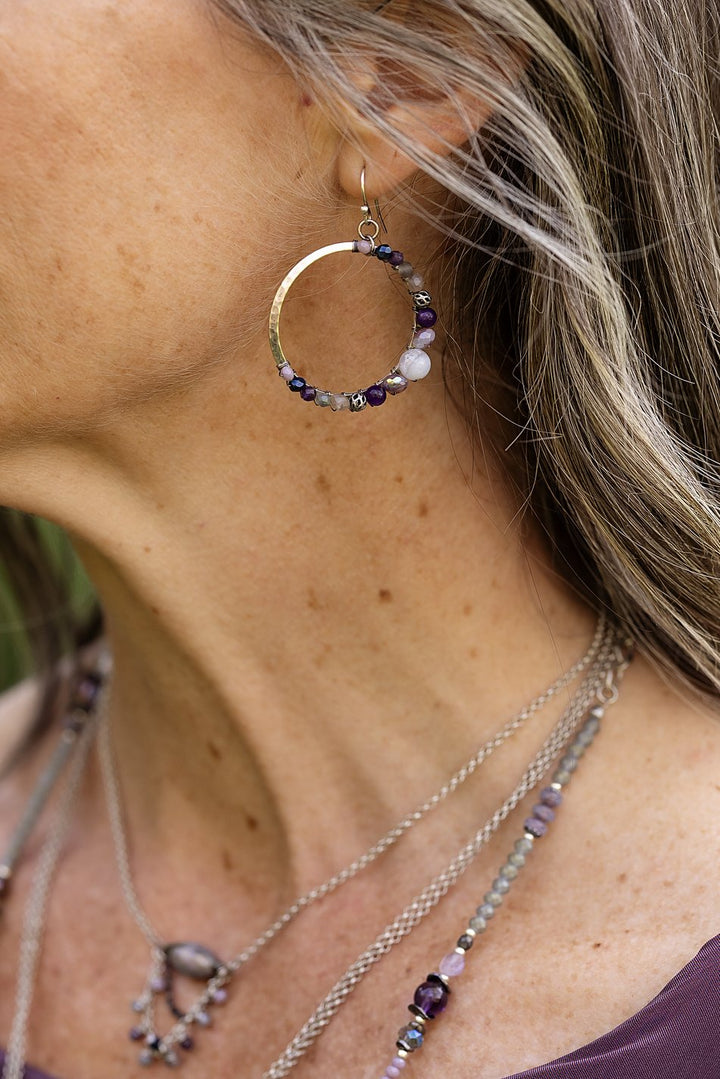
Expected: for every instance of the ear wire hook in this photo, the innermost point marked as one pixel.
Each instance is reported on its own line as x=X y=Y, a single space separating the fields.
x=368 y=218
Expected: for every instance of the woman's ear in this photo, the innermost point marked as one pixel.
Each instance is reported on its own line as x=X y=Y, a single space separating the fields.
x=439 y=121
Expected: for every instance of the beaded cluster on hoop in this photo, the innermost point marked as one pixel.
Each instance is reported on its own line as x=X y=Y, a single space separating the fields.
x=414 y=363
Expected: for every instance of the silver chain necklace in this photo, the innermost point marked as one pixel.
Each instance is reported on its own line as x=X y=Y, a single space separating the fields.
x=199 y=962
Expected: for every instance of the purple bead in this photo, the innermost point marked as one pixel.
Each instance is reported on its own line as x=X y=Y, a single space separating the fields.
x=431 y=998
x=286 y=372
x=535 y=827
x=308 y=393
x=375 y=395
x=426 y=318
x=392 y=1072
x=399 y=1063
x=384 y=252
x=364 y=247
x=187 y=1043
x=85 y=693
x=543 y=813
x=219 y=996
x=396 y=258
x=550 y=797
x=296 y=384
x=136 y=1034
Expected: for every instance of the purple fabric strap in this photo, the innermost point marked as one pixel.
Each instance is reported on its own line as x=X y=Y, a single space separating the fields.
x=675 y=1036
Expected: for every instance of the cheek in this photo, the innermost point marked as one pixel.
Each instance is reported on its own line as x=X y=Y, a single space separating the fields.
x=137 y=198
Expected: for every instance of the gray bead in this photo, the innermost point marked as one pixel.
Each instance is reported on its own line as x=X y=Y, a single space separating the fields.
x=577 y=749
x=478 y=924
x=562 y=776
x=516 y=860
x=421 y=299
x=192 y=960
x=323 y=399
x=510 y=871
x=486 y=911
x=172 y=1059
x=358 y=402
x=501 y=885
x=586 y=738
x=569 y=763
x=523 y=846
x=405 y=270
x=146 y=1058
x=493 y=898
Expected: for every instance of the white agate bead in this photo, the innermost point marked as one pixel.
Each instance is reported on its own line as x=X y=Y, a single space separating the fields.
x=414 y=364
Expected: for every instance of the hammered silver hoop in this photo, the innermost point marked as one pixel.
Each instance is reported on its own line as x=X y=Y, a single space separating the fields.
x=414 y=362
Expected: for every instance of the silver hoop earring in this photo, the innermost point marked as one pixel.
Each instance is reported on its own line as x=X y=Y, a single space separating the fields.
x=412 y=365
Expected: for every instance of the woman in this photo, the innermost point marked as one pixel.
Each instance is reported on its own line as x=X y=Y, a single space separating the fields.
x=314 y=618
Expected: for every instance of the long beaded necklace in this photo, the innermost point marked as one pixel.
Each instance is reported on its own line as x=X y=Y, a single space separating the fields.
x=193 y=960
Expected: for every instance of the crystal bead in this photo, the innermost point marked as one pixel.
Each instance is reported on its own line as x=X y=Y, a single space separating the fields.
x=415 y=282
x=395 y=383
x=296 y=384
x=384 y=252
x=405 y=270
x=411 y=1038
x=286 y=372
x=423 y=338
x=396 y=259
x=339 y=402
x=364 y=247
x=452 y=965
x=465 y=942
x=323 y=399
x=414 y=364
x=431 y=998
x=308 y=393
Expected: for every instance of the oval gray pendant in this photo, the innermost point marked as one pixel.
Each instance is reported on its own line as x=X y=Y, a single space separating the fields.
x=192 y=960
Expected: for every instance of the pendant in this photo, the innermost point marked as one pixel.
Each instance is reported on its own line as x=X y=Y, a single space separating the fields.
x=188 y=960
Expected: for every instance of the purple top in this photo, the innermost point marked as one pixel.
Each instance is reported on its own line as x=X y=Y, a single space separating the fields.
x=675 y=1036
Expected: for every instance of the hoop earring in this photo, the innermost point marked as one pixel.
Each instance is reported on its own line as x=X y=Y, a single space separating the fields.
x=413 y=364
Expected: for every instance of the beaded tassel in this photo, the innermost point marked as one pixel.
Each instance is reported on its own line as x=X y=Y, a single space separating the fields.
x=432 y=996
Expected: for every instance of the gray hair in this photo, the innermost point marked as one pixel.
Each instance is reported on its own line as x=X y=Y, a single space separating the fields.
x=585 y=269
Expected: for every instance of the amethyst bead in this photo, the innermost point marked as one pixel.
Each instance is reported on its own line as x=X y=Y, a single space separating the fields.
x=550 y=797
x=535 y=827
x=187 y=1043
x=364 y=247
x=396 y=258
x=452 y=965
x=543 y=813
x=375 y=395
x=136 y=1034
x=431 y=998
x=308 y=393
x=296 y=384
x=426 y=318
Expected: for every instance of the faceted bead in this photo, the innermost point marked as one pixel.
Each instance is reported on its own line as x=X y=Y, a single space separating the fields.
x=296 y=384
x=323 y=399
x=516 y=860
x=550 y=797
x=405 y=270
x=193 y=960
x=501 y=885
x=586 y=738
x=286 y=372
x=308 y=393
x=452 y=965
x=423 y=338
x=493 y=898
x=535 y=827
x=376 y=395
x=339 y=402
x=486 y=911
x=562 y=776
x=509 y=871
x=543 y=813
x=415 y=282
x=395 y=384
x=384 y=252
x=364 y=247
x=414 y=364
x=465 y=942
x=411 y=1037
x=396 y=258
x=431 y=998
x=523 y=846
x=478 y=923
x=426 y=318
x=568 y=763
